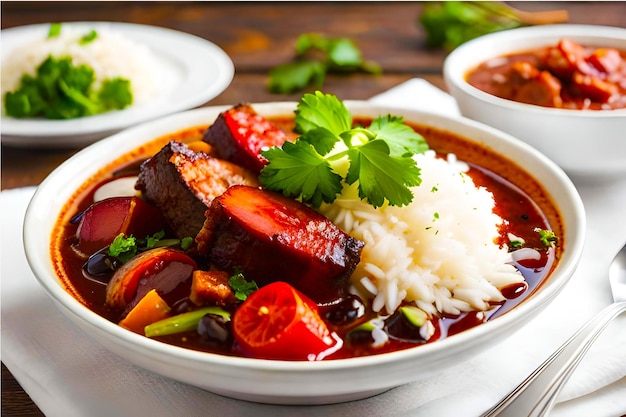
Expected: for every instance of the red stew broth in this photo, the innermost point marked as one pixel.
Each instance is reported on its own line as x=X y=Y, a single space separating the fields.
x=525 y=210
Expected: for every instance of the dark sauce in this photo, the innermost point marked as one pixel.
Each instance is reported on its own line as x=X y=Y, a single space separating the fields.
x=525 y=210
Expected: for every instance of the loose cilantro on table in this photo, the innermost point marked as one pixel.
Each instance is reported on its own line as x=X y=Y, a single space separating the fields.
x=317 y=55
x=379 y=157
x=448 y=24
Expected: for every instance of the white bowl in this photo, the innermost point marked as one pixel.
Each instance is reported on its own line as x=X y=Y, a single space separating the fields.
x=589 y=145
x=282 y=381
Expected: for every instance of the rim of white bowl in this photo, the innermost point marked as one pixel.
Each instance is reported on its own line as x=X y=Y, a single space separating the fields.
x=465 y=57
x=52 y=189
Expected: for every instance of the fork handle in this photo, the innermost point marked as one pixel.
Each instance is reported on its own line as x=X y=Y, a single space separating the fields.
x=535 y=396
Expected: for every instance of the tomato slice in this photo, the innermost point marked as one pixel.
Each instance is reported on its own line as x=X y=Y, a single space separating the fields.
x=279 y=322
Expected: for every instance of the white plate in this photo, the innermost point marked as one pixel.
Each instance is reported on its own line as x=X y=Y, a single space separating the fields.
x=191 y=71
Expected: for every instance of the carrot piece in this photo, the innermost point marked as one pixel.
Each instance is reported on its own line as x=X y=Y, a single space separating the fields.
x=150 y=309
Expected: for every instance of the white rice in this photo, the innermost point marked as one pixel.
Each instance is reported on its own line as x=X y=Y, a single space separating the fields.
x=439 y=252
x=109 y=54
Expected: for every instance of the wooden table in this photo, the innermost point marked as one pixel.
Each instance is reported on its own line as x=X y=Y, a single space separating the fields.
x=258 y=36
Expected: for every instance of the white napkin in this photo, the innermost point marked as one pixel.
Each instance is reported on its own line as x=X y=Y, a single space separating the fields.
x=67 y=374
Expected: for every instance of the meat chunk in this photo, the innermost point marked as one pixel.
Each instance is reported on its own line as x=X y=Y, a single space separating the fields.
x=240 y=133
x=531 y=85
x=182 y=183
x=211 y=287
x=274 y=238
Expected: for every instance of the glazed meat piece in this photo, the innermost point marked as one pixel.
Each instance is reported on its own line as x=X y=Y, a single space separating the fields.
x=534 y=86
x=274 y=238
x=239 y=134
x=211 y=287
x=182 y=183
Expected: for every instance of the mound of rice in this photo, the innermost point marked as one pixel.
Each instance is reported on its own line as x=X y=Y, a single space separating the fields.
x=109 y=54
x=439 y=252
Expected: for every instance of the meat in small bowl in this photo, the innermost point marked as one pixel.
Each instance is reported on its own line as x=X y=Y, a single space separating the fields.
x=560 y=88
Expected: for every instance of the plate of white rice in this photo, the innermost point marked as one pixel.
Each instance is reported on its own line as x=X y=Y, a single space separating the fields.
x=169 y=71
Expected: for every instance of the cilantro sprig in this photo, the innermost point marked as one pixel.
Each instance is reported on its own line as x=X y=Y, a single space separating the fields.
x=317 y=55
x=313 y=168
x=448 y=24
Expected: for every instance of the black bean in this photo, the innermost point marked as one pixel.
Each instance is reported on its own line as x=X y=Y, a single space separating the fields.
x=345 y=311
x=214 y=328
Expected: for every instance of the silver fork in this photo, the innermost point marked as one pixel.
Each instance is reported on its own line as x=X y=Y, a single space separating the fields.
x=536 y=395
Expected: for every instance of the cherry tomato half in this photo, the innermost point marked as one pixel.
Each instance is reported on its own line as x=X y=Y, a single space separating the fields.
x=279 y=322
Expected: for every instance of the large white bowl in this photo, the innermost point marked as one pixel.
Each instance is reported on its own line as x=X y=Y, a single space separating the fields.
x=281 y=381
x=589 y=145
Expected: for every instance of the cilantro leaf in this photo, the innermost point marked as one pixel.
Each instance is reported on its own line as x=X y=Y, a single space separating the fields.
x=344 y=54
x=317 y=55
x=185 y=243
x=294 y=76
x=115 y=94
x=402 y=139
x=151 y=241
x=242 y=287
x=382 y=176
x=322 y=110
x=123 y=247
x=298 y=171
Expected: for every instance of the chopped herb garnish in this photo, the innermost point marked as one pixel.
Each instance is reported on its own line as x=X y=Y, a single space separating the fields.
x=61 y=90
x=88 y=38
x=515 y=244
x=151 y=241
x=313 y=168
x=185 y=243
x=547 y=237
x=125 y=247
x=242 y=287
x=317 y=55
x=115 y=94
x=55 y=30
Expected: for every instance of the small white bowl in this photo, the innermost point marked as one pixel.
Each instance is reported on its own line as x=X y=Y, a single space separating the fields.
x=590 y=145
x=284 y=382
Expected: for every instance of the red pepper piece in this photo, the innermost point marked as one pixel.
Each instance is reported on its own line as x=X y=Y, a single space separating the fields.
x=279 y=322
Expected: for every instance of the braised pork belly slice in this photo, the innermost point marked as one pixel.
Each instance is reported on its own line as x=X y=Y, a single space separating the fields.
x=270 y=238
x=182 y=183
x=240 y=134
